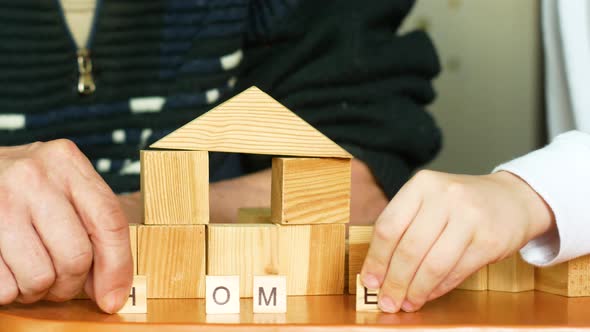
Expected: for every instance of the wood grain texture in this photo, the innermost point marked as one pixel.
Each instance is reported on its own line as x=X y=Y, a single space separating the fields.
x=260 y=215
x=244 y=250
x=326 y=259
x=477 y=281
x=137 y=301
x=175 y=187
x=310 y=190
x=457 y=311
x=133 y=243
x=252 y=122
x=512 y=274
x=311 y=256
x=366 y=299
x=570 y=278
x=359 y=238
x=172 y=257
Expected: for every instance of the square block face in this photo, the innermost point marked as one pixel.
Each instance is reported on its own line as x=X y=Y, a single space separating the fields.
x=270 y=294
x=511 y=274
x=222 y=295
x=244 y=250
x=173 y=259
x=310 y=256
x=366 y=299
x=137 y=302
x=175 y=187
x=310 y=190
x=359 y=238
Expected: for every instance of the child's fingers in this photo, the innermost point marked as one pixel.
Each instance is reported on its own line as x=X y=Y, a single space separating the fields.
x=414 y=245
x=388 y=230
x=471 y=262
x=438 y=263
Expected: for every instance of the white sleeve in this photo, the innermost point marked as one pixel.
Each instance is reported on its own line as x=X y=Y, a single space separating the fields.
x=560 y=173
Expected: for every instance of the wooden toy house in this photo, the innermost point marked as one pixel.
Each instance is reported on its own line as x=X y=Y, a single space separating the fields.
x=310 y=204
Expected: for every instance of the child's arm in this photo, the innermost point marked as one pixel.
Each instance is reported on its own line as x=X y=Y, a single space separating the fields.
x=440 y=228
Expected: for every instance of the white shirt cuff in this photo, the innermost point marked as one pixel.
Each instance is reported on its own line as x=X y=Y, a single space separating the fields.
x=560 y=174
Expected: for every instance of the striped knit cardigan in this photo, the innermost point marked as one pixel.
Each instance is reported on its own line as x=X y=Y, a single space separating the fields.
x=158 y=64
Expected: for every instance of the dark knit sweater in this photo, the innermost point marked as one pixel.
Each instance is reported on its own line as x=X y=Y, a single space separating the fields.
x=159 y=64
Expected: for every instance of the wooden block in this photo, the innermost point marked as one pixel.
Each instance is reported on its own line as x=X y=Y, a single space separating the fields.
x=512 y=274
x=359 y=238
x=254 y=215
x=137 y=302
x=222 y=295
x=270 y=294
x=366 y=299
x=175 y=187
x=245 y=250
x=477 y=281
x=173 y=259
x=571 y=279
x=252 y=122
x=310 y=256
x=310 y=190
x=133 y=243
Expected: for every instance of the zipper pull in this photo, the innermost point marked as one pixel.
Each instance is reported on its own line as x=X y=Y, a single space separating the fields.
x=86 y=84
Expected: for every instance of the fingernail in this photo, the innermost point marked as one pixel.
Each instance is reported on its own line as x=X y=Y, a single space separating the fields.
x=386 y=304
x=114 y=300
x=370 y=281
x=407 y=306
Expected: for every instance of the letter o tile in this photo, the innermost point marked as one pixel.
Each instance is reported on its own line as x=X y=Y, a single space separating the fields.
x=222 y=295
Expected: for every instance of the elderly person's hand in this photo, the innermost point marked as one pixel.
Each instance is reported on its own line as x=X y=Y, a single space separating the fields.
x=61 y=228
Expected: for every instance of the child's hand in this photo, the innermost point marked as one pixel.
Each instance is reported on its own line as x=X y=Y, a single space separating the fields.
x=440 y=228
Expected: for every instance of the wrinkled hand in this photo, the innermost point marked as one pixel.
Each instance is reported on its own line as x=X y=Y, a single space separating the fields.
x=440 y=228
x=61 y=228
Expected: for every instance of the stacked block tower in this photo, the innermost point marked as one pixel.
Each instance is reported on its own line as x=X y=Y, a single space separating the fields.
x=302 y=237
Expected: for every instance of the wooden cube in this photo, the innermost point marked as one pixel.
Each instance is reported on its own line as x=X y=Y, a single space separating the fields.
x=359 y=238
x=137 y=302
x=245 y=250
x=310 y=190
x=270 y=294
x=366 y=299
x=512 y=274
x=477 y=281
x=222 y=295
x=175 y=187
x=310 y=256
x=569 y=279
x=173 y=259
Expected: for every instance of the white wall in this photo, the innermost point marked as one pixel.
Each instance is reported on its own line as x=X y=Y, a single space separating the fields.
x=489 y=93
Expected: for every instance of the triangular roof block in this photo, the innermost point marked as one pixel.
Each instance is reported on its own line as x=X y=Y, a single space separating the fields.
x=252 y=122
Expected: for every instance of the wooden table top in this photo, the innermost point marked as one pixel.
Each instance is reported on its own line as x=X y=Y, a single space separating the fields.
x=457 y=310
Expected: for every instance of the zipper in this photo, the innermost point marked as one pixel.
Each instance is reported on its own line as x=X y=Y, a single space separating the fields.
x=86 y=84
